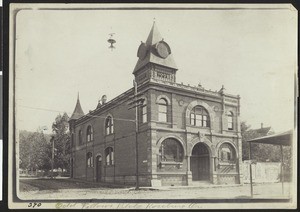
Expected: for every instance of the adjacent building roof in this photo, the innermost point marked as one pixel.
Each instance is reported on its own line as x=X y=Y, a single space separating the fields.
x=256 y=133
x=78 y=112
x=153 y=38
x=284 y=139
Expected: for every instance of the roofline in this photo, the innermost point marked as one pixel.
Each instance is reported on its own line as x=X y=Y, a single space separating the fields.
x=288 y=135
x=103 y=107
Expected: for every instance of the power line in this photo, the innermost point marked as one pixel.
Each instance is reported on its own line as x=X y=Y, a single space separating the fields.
x=57 y=111
x=180 y=115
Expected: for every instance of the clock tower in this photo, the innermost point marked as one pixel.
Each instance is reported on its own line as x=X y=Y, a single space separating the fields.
x=155 y=59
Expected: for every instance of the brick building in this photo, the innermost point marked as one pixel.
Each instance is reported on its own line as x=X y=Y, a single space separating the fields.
x=186 y=134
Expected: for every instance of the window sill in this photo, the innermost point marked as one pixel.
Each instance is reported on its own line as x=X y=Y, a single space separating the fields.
x=193 y=126
x=162 y=122
x=227 y=163
x=142 y=124
x=109 y=135
x=162 y=164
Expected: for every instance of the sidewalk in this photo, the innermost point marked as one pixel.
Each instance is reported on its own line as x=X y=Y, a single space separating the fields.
x=267 y=191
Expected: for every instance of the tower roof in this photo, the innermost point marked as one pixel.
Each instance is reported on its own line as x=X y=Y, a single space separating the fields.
x=151 y=54
x=78 y=112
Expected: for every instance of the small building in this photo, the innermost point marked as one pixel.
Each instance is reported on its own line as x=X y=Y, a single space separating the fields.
x=186 y=134
x=257 y=133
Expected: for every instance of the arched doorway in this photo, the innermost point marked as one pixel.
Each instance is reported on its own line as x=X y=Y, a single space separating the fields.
x=200 y=162
x=98 y=168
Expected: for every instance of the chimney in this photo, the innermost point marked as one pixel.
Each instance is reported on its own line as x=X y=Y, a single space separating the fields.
x=103 y=99
x=262 y=125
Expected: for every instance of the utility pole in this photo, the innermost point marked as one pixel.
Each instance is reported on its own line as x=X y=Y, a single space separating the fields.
x=250 y=166
x=136 y=103
x=52 y=156
x=136 y=136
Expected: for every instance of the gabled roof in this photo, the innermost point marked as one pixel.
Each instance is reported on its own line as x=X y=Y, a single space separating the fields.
x=78 y=112
x=256 y=133
x=153 y=38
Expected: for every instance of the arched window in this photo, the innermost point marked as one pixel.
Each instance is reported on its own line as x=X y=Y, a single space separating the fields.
x=109 y=156
x=89 y=133
x=230 y=120
x=227 y=153
x=200 y=117
x=109 y=125
x=162 y=110
x=89 y=159
x=80 y=137
x=144 y=111
x=171 y=150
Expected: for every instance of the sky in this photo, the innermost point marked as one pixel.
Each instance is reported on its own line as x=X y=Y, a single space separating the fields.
x=59 y=53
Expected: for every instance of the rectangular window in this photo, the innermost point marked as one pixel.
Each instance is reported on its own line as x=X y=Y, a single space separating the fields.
x=205 y=121
x=198 y=120
x=192 y=119
x=144 y=114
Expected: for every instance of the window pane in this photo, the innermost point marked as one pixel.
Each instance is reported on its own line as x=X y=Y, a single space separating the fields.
x=162 y=108
x=192 y=116
x=107 y=159
x=198 y=122
x=162 y=117
x=198 y=110
x=171 y=150
x=144 y=109
x=144 y=118
x=112 y=158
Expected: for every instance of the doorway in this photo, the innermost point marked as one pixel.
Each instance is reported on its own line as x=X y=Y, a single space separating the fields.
x=200 y=163
x=98 y=168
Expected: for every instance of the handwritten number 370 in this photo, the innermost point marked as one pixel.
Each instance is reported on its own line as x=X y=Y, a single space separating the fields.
x=34 y=204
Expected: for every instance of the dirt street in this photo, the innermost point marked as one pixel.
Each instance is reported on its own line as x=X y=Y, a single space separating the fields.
x=69 y=189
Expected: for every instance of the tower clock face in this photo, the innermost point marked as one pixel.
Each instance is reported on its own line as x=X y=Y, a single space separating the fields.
x=163 y=49
x=142 y=51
